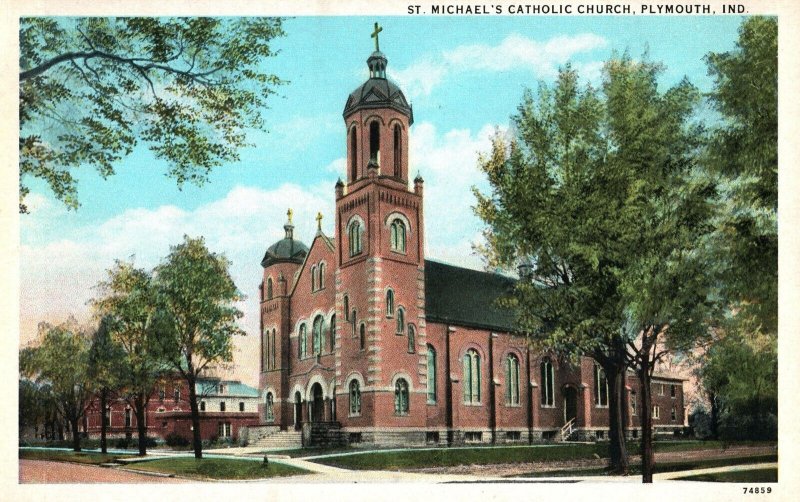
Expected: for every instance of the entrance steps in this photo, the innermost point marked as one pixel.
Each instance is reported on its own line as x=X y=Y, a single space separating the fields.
x=278 y=440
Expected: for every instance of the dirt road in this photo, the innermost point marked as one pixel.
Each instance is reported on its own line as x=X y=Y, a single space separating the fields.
x=40 y=471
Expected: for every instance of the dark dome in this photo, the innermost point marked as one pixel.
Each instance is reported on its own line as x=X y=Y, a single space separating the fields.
x=378 y=91
x=285 y=250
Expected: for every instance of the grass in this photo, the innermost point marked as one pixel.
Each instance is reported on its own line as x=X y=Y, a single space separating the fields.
x=635 y=469
x=217 y=468
x=70 y=456
x=768 y=475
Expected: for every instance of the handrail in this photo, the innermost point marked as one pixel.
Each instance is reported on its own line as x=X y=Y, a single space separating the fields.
x=567 y=430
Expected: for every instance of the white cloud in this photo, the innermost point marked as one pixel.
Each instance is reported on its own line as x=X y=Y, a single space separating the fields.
x=336 y=166
x=514 y=52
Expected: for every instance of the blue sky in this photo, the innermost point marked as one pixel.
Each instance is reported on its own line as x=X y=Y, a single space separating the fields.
x=464 y=77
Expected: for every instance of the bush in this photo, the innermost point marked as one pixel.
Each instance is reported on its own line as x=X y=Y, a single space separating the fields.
x=174 y=439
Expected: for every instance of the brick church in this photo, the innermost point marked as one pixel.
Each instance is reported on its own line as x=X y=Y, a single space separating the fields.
x=364 y=340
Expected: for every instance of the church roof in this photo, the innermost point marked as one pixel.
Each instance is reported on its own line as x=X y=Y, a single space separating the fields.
x=378 y=91
x=467 y=297
x=287 y=249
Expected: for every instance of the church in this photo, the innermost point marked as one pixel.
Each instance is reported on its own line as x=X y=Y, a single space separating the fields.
x=364 y=340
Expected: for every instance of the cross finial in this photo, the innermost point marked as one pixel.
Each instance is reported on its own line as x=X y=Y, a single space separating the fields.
x=289 y=215
x=374 y=35
x=319 y=221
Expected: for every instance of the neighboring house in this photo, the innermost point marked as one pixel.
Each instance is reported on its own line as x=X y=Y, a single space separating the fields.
x=225 y=406
x=361 y=334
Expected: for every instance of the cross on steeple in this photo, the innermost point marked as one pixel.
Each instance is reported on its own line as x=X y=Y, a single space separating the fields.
x=319 y=221
x=374 y=35
x=289 y=215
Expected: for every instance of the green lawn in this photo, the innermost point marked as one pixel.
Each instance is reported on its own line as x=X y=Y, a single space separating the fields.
x=217 y=468
x=70 y=456
x=769 y=475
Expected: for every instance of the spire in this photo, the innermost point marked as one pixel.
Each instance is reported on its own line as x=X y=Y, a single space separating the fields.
x=288 y=227
x=377 y=61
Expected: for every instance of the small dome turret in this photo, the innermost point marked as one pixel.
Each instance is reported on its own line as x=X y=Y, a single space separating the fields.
x=287 y=249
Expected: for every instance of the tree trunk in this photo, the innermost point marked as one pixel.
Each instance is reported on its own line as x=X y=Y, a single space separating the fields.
x=712 y=397
x=60 y=430
x=196 y=439
x=617 y=408
x=103 y=426
x=74 y=423
x=141 y=426
x=647 y=419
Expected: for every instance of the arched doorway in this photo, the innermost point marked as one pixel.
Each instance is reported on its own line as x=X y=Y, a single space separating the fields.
x=317 y=411
x=298 y=410
x=570 y=403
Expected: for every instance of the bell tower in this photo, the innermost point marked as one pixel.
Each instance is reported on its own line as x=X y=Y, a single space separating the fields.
x=380 y=274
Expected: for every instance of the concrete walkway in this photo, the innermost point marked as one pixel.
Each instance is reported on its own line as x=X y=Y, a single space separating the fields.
x=714 y=470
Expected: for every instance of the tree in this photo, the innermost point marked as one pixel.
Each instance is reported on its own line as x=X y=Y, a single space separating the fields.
x=92 y=89
x=128 y=305
x=602 y=199
x=197 y=315
x=61 y=361
x=105 y=372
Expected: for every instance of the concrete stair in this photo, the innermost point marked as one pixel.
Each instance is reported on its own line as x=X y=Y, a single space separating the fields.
x=279 y=440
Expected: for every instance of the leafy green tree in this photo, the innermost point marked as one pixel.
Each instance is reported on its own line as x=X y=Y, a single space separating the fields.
x=92 y=88
x=197 y=315
x=128 y=304
x=61 y=360
x=105 y=372
x=600 y=197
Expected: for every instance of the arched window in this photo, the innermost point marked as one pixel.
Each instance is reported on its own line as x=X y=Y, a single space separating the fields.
x=269 y=288
x=302 y=341
x=600 y=386
x=346 y=307
x=546 y=377
x=353 y=154
x=321 y=281
x=389 y=303
x=512 y=380
x=472 y=377
x=270 y=408
x=401 y=319
x=362 y=336
x=274 y=353
x=397 y=149
x=412 y=336
x=317 y=336
x=633 y=403
x=431 y=374
x=401 y=397
x=355 y=398
x=265 y=351
x=333 y=332
x=375 y=142
x=397 y=238
x=354 y=232
x=314 y=278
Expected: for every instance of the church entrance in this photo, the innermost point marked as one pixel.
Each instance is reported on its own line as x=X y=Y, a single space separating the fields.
x=570 y=403
x=317 y=404
x=298 y=411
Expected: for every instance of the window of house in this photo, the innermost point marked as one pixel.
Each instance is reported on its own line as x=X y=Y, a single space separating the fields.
x=674 y=414
x=269 y=288
x=401 y=317
x=401 y=397
x=633 y=403
x=397 y=149
x=314 y=278
x=127 y=418
x=224 y=429
x=472 y=377
x=177 y=394
x=362 y=336
x=512 y=380
x=265 y=356
x=222 y=406
x=241 y=405
x=431 y=375
x=412 y=339
x=398 y=236
x=354 y=232
x=333 y=333
x=355 y=398
x=321 y=280
x=374 y=142
x=513 y=435
x=546 y=375
x=389 y=303
x=661 y=389
x=656 y=412
x=317 y=335
x=353 y=321
x=473 y=437
x=301 y=342
x=346 y=307
x=353 y=154
x=162 y=393
x=672 y=390
x=600 y=386
x=202 y=406
x=274 y=357
x=270 y=408
x=222 y=388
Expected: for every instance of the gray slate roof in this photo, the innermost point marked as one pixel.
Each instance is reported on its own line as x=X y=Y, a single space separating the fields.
x=286 y=249
x=465 y=297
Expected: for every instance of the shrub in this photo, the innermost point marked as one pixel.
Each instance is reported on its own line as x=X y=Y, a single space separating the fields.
x=175 y=439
